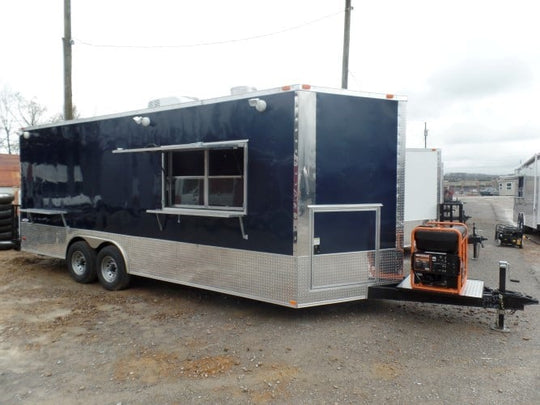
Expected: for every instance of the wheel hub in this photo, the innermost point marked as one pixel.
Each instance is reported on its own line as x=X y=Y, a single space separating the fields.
x=78 y=263
x=109 y=269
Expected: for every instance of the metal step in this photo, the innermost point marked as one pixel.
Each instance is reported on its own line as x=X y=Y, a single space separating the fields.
x=473 y=288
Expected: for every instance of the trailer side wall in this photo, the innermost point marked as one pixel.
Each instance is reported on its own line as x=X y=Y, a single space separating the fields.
x=72 y=167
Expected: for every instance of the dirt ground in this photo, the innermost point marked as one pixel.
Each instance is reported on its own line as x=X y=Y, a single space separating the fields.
x=156 y=343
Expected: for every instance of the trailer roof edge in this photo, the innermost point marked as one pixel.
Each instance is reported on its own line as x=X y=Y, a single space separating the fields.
x=534 y=157
x=257 y=93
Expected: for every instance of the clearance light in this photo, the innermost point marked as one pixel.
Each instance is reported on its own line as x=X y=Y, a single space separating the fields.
x=258 y=104
x=144 y=121
x=293 y=303
x=306 y=86
x=389 y=96
x=286 y=88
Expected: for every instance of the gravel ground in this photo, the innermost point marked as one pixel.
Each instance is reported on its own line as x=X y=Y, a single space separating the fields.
x=68 y=343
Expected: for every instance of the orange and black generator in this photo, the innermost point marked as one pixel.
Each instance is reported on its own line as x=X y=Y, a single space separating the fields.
x=439 y=261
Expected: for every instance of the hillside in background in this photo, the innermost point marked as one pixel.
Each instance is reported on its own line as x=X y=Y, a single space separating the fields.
x=470 y=177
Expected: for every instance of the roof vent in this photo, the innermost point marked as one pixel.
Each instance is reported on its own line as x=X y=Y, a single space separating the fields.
x=235 y=91
x=163 y=101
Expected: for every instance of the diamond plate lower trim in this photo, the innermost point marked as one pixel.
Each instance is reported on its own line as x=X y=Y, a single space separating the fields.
x=279 y=279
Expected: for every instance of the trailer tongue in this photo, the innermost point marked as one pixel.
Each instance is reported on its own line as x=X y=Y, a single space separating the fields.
x=495 y=298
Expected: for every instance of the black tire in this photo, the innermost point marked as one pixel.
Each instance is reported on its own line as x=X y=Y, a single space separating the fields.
x=6 y=213
x=4 y=207
x=6 y=235
x=111 y=269
x=6 y=198
x=81 y=262
x=6 y=228
x=6 y=221
x=7 y=245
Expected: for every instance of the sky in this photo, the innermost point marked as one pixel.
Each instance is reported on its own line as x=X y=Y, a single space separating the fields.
x=470 y=69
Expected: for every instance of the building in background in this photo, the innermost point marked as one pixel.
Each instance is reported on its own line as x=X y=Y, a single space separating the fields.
x=507 y=185
x=10 y=175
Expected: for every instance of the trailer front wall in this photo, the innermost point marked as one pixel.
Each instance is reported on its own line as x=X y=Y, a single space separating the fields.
x=357 y=163
x=352 y=156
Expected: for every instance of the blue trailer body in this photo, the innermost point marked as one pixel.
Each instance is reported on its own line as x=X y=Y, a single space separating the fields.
x=119 y=188
x=219 y=195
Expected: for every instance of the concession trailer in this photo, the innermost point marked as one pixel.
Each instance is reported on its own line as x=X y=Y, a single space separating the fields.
x=292 y=195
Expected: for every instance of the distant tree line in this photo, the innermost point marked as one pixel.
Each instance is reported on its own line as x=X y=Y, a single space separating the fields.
x=470 y=177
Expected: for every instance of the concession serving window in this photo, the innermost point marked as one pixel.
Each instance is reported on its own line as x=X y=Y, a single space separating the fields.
x=202 y=179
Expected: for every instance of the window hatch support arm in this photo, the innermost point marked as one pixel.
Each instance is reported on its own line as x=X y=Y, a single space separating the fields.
x=244 y=235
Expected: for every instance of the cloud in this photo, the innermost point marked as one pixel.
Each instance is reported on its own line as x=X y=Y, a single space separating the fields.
x=498 y=158
x=467 y=133
x=469 y=83
x=479 y=78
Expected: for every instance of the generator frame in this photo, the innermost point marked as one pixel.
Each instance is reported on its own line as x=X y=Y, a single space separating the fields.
x=439 y=263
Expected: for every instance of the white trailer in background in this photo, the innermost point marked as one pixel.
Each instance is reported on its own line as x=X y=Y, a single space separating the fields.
x=423 y=188
x=528 y=193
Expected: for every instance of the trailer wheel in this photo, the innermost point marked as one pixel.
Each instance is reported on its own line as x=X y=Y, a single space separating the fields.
x=81 y=262
x=111 y=269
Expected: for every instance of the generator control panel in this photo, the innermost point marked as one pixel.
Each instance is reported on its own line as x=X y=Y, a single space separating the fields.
x=436 y=263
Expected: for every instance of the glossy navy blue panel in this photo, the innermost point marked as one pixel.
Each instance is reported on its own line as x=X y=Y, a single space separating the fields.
x=356 y=164
x=72 y=167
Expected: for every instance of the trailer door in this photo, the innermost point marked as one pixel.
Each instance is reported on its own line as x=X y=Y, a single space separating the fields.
x=344 y=265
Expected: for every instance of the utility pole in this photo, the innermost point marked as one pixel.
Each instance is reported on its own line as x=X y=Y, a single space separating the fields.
x=346 y=41
x=68 y=102
x=425 y=135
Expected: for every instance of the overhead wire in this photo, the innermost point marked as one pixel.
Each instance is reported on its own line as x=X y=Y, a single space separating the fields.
x=213 y=43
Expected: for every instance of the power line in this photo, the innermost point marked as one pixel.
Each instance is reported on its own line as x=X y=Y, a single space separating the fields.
x=200 y=44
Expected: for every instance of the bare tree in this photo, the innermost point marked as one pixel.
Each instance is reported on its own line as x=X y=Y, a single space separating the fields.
x=60 y=116
x=16 y=112
x=31 y=112
x=9 y=121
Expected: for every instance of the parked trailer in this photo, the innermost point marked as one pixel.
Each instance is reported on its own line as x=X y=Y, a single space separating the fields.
x=528 y=194
x=423 y=188
x=292 y=196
